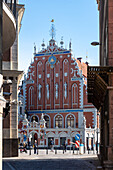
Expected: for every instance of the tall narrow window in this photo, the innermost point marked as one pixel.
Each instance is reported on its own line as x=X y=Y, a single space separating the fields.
x=58 y=121
x=65 y=83
x=74 y=94
x=70 y=121
x=47 y=91
x=20 y=110
x=31 y=96
x=56 y=91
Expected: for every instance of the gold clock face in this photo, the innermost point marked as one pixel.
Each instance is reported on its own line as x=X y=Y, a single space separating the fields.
x=52 y=60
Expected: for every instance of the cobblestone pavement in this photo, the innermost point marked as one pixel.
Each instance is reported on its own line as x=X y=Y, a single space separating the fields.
x=51 y=161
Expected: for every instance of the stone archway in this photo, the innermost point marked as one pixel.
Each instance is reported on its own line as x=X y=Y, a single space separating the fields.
x=63 y=137
x=33 y=136
x=50 y=136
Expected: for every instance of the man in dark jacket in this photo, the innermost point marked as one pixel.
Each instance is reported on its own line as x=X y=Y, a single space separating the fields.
x=35 y=147
x=51 y=144
x=65 y=145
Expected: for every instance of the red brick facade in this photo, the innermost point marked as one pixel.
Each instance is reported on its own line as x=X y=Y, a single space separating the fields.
x=56 y=85
x=59 y=87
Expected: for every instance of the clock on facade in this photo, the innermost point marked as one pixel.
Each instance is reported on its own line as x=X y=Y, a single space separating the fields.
x=52 y=60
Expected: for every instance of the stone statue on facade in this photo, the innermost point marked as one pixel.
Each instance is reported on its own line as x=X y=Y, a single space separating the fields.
x=84 y=121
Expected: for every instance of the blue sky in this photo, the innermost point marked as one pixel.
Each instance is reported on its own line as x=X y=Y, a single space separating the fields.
x=77 y=20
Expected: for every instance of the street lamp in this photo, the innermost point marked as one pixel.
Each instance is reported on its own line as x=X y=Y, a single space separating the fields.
x=95 y=43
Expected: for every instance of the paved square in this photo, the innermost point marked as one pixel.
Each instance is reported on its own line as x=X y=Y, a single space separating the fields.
x=51 y=161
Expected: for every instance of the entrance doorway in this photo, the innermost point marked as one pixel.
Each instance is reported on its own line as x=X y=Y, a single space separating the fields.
x=33 y=138
x=49 y=141
x=62 y=140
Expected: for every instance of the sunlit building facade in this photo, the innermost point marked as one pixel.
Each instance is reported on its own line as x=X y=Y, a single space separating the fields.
x=56 y=85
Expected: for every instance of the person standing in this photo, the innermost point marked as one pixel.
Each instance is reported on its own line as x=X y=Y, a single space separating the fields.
x=65 y=145
x=51 y=144
x=35 y=147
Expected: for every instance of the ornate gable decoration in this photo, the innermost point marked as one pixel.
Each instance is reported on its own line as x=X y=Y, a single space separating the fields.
x=52 y=46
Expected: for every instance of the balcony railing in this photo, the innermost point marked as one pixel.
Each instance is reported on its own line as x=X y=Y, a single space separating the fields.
x=97 y=82
x=99 y=69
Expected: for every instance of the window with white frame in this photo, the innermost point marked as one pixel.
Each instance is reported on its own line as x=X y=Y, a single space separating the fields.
x=31 y=96
x=58 y=121
x=74 y=94
x=70 y=121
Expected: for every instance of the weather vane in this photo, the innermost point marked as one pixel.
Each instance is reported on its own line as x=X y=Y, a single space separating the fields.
x=86 y=55
x=52 y=30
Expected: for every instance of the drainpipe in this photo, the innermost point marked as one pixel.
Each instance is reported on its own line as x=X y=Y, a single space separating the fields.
x=1 y=31
x=1 y=15
x=14 y=9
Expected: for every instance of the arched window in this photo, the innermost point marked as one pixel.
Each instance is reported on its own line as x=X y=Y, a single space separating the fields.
x=47 y=121
x=65 y=61
x=70 y=121
x=58 y=121
x=74 y=94
x=31 y=96
x=34 y=118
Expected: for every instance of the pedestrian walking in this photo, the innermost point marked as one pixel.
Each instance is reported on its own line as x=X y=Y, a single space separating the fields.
x=25 y=148
x=35 y=146
x=51 y=144
x=21 y=147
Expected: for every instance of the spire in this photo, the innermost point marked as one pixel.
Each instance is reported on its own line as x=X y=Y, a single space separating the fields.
x=70 y=45
x=24 y=76
x=34 y=49
x=43 y=45
x=52 y=30
x=62 y=42
x=31 y=61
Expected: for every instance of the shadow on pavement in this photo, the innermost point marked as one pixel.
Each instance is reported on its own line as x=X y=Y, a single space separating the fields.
x=51 y=164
